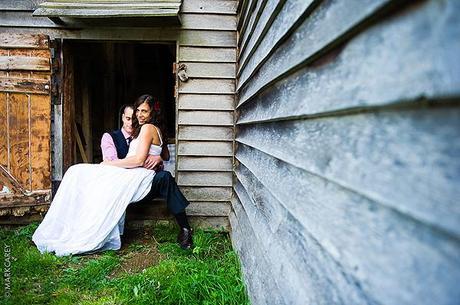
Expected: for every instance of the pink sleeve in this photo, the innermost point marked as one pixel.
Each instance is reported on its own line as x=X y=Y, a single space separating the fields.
x=109 y=152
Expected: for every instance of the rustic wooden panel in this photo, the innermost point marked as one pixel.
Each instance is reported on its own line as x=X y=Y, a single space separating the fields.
x=24 y=85
x=261 y=7
x=275 y=23
x=216 y=149
x=198 y=54
x=205 y=133
x=257 y=271
x=27 y=41
x=207 y=38
x=204 y=164
x=204 y=179
x=205 y=86
x=18 y=105
x=215 y=118
x=210 y=70
x=313 y=35
x=40 y=142
x=208 y=22
x=363 y=71
x=3 y=130
x=209 y=7
x=245 y=16
x=324 y=209
x=206 y=102
x=403 y=160
x=312 y=276
x=208 y=209
x=24 y=63
x=207 y=193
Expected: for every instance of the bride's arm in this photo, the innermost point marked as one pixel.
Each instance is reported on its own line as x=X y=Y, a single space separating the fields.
x=145 y=140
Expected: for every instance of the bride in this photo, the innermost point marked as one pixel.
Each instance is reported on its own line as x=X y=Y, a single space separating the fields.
x=92 y=198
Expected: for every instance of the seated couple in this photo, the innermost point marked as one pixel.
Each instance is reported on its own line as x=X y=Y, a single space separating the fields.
x=87 y=212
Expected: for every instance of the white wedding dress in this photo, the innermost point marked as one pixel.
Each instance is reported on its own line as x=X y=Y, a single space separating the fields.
x=87 y=213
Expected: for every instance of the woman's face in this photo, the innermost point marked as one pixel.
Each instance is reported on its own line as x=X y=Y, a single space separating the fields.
x=143 y=113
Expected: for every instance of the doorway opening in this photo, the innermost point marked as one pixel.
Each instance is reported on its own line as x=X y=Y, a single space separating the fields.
x=104 y=76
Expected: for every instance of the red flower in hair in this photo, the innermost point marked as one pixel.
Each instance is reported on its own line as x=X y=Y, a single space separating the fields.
x=156 y=106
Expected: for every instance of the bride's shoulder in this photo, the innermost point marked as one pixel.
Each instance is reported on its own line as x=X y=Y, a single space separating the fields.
x=148 y=127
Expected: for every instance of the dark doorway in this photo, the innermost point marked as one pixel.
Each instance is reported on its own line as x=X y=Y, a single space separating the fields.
x=107 y=75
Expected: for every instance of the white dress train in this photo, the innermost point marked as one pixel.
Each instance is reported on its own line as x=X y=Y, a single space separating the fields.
x=88 y=208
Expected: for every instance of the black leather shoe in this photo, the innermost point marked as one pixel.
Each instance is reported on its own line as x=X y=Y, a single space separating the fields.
x=185 y=238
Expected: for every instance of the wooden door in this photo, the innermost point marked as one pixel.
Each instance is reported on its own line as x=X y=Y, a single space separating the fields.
x=25 y=121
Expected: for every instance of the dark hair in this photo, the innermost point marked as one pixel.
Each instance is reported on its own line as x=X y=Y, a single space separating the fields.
x=156 y=116
x=122 y=111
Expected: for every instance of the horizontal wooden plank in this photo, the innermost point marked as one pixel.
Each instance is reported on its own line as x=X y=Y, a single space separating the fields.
x=216 y=149
x=276 y=21
x=312 y=35
x=201 y=133
x=214 y=118
x=246 y=15
x=204 y=178
x=199 y=54
x=209 y=7
x=335 y=217
x=24 y=63
x=206 y=102
x=210 y=70
x=403 y=159
x=27 y=41
x=381 y=66
x=204 y=164
x=205 y=86
x=208 y=208
x=206 y=38
x=193 y=193
x=208 y=22
x=24 y=85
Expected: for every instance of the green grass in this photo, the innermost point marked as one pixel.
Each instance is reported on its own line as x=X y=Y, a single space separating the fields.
x=210 y=274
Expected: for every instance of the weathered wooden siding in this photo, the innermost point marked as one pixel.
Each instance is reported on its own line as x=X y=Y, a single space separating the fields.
x=348 y=152
x=206 y=43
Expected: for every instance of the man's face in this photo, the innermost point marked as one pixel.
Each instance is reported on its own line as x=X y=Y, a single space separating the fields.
x=126 y=118
x=143 y=113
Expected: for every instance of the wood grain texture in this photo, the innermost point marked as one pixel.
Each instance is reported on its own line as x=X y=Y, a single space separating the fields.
x=40 y=142
x=208 y=86
x=205 y=133
x=199 y=54
x=27 y=41
x=204 y=164
x=18 y=105
x=257 y=270
x=208 y=22
x=203 y=118
x=204 y=178
x=24 y=84
x=209 y=7
x=203 y=148
x=4 y=130
x=24 y=63
x=402 y=159
x=210 y=70
x=361 y=74
x=207 y=193
x=206 y=102
x=314 y=34
x=383 y=259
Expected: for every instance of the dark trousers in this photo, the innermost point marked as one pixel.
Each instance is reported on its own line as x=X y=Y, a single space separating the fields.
x=164 y=186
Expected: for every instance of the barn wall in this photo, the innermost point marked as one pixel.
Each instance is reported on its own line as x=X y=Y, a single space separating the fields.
x=348 y=145
x=207 y=46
